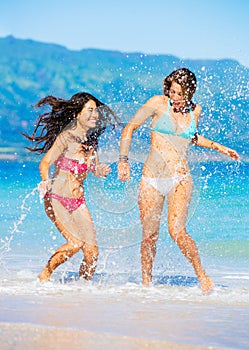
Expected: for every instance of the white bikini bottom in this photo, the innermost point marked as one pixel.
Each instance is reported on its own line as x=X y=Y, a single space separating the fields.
x=163 y=184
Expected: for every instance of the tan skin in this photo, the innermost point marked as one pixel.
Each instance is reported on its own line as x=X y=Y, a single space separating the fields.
x=161 y=162
x=71 y=185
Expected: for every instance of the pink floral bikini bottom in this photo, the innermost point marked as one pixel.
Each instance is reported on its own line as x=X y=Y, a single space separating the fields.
x=71 y=204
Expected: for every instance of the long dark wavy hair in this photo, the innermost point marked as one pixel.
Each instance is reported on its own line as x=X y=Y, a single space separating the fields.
x=62 y=114
x=186 y=79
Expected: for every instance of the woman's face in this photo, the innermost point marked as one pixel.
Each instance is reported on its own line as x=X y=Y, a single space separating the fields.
x=88 y=116
x=176 y=95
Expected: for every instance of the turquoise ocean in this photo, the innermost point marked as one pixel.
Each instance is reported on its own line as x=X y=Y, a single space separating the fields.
x=115 y=303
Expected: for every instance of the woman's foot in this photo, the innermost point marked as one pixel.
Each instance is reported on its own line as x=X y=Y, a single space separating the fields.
x=146 y=280
x=206 y=283
x=44 y=275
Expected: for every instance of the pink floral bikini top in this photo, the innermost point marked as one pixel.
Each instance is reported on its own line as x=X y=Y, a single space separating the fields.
x=74 y=166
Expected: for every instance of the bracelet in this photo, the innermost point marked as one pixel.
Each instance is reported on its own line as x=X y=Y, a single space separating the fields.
x=123 y=159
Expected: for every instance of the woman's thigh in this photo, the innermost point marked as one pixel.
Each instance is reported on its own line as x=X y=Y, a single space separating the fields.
x=83 y=226
x=151 y=205
x=77 y=226
x=178 y=203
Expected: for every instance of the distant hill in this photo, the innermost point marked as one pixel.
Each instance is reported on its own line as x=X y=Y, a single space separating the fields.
x=30 y=70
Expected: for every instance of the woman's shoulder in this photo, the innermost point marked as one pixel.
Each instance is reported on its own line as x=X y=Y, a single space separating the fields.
x=64 y=137
x=198 y=108
x=197 y=111
x=157 y=100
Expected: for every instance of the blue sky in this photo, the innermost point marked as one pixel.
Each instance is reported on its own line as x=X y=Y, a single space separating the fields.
x=193 y=29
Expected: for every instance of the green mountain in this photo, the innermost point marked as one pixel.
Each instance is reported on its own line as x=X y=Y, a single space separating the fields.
x=30 y=70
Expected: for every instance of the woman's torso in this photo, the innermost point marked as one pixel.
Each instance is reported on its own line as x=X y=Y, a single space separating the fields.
x=170 y=140
x=72 y=167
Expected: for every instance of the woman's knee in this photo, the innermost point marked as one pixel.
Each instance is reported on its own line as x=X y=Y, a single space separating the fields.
x=150 y=239
x=176 y=233
x=91 y=252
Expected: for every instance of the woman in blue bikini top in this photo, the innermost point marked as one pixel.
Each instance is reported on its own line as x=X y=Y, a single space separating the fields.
x=174 y=121
x=164 y=125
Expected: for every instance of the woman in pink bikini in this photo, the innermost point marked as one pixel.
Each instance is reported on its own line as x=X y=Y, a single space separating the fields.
x=68 y=135
x=174 y=121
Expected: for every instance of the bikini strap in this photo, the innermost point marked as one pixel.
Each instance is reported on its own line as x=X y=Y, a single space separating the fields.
x=192 y=116
x=169 y=105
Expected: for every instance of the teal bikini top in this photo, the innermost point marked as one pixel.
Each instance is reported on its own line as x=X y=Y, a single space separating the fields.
x=164 y=126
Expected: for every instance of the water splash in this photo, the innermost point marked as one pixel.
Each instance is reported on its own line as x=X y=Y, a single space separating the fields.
x=24 y=210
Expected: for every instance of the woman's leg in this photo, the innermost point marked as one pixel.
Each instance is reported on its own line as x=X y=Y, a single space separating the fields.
x=150 y=204
x=87 y=234
x=89 y=262
x=63 y=253
x=178 y=203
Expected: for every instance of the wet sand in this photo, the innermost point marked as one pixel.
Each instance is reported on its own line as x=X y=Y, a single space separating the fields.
x=116 y=322
x=23 y=336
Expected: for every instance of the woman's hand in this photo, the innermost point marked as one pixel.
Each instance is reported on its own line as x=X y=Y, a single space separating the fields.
x=43 y=188
x=229 y=152
x=102 y=170
x=123 y=171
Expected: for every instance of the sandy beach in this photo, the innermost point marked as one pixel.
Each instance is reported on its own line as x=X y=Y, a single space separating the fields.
x=92 y=320
x=23 y=336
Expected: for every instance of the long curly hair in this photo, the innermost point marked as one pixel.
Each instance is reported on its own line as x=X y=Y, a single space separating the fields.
x=186 y=79
x=62 y=114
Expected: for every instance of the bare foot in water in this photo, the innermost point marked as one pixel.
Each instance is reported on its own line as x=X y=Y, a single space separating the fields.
x=44 y=275
x=206 y=283
x=146 y=281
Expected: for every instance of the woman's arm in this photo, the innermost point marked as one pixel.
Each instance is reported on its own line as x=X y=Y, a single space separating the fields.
x=206 y=143
x=44 y=185
x=53 y=153
x=146 y=111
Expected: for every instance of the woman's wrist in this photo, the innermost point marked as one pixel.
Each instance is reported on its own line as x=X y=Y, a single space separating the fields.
x=123 y=158
x=214 y=146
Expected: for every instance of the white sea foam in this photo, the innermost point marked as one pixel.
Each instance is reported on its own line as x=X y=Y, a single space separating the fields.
x=243 y=277
x=170 y=289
